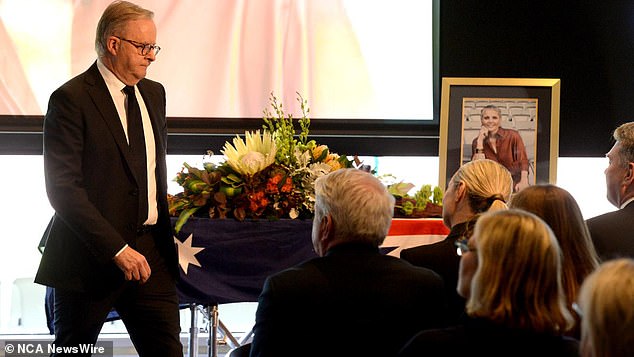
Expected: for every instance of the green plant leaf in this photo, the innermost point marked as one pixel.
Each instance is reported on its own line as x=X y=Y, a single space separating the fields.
x=183 y=217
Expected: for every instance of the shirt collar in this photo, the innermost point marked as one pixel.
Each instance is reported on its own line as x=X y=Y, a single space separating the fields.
x=626 y=203
x=501 y=132
x=113 y=83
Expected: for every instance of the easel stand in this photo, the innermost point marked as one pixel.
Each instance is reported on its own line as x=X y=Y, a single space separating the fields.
x=213 y=326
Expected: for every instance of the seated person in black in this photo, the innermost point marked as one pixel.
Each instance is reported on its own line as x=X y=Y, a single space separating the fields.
x=476 y=187
x=352 y=300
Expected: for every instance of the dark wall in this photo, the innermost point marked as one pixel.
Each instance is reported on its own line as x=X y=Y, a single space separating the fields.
x=587 y=44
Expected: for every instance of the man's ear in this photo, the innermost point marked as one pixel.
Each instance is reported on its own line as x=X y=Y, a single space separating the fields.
x=326 y=228
x=112 y=45
x=628 y=179
x=321 y=238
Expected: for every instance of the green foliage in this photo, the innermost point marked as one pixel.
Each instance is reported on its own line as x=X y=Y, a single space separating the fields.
x=438 y=195
x=415 y=205
x=283 y=130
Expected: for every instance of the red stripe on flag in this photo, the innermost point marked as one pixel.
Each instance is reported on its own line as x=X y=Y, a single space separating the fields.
x=421 y=226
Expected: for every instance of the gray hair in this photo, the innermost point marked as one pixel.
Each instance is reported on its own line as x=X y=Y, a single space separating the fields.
x=114 y=18
x=624 y=134
x=359 y=204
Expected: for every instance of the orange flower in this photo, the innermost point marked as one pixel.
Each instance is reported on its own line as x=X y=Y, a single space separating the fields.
x=333 y=161
x=253 y=206
x=319 y=151
x=271 y=187
x=288 y=185
x=273 y=183
x=257 y=201
x=276 y=179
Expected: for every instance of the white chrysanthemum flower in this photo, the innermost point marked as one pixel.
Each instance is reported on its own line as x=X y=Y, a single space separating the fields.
x=252 y=155
x=302 y=158
x=319 y=169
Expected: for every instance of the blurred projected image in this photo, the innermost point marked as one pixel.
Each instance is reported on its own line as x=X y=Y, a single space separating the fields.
x=351 y=59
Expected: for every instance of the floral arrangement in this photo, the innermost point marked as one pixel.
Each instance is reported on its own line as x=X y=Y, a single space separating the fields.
x=268 y=174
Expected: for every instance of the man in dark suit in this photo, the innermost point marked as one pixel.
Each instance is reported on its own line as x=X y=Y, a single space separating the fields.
x=352 y=300
x=613 y=232
x=109 y=243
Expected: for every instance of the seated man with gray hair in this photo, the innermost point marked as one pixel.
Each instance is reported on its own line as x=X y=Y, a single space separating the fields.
x=352 y=300
x=613 y=233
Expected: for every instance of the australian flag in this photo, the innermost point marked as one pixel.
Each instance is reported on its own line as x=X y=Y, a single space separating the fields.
x=225 y=261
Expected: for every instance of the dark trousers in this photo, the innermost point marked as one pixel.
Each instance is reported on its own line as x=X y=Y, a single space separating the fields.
x=149 y=311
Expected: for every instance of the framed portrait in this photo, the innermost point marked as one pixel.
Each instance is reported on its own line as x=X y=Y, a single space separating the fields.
x=514 y=121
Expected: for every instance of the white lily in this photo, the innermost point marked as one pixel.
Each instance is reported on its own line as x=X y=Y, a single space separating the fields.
x=252 y=155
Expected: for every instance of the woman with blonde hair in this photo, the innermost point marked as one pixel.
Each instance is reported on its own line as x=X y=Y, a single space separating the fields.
x=510 y=273
x=478 y=186
x=560 y=211
x=606 y=300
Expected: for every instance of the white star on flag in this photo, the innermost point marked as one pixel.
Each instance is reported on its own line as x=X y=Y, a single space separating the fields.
x=186 y=253
x=392 y=245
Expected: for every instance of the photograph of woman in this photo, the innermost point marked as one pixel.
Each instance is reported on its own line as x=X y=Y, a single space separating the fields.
x=502 y=145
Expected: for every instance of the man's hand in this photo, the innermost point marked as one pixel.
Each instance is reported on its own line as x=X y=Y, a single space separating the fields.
x=133 y=265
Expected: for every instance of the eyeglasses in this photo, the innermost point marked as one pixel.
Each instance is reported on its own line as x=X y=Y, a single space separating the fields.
x=144 y=47
x=462 y=246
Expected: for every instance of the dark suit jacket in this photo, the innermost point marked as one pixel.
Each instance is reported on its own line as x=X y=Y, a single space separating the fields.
x=613 y=233
x=92 y=187
x=480 y=337
x=351 y=302
x=441 y=257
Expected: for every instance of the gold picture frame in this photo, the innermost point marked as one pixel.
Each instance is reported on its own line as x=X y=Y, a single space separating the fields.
x=530 y=106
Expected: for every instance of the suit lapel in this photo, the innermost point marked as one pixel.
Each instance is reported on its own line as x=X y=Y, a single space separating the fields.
x=100 y=95
x=102 y=99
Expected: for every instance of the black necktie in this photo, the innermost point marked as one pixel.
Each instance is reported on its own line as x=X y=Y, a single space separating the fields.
x=136 y=141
